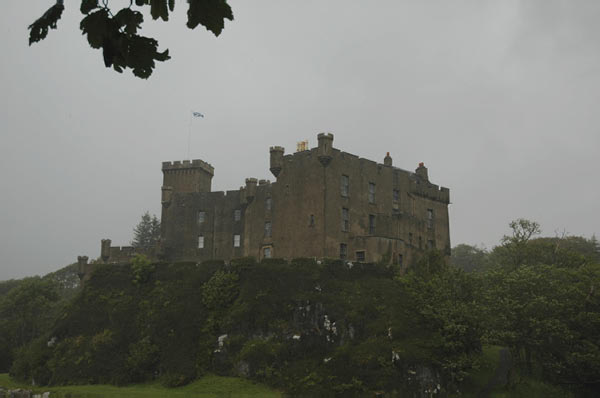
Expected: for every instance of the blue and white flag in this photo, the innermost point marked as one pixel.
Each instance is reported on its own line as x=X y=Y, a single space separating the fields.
x=197 y=114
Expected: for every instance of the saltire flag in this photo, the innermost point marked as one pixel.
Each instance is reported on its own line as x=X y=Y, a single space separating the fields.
x=197 y=114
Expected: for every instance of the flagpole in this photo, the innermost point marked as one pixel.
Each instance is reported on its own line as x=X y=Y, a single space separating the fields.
x=189 y=135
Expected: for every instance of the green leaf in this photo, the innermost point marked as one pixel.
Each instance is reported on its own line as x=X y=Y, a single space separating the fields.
x=129 y=19
x=88 y=5
x=97 y=27
x=158 y=9
x=209 y=13
x=39 y=29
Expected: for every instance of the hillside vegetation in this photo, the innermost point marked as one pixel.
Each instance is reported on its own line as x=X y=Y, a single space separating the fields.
x=321 y=328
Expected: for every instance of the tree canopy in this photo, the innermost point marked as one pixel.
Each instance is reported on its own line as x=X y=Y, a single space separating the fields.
x=116 y=31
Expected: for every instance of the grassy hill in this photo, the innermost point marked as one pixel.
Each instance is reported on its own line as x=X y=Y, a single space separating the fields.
x=209 y=386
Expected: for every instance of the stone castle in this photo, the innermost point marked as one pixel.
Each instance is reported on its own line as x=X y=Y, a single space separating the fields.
x=325 y=203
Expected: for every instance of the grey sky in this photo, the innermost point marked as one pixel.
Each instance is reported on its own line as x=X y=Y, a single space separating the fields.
x=500 y=99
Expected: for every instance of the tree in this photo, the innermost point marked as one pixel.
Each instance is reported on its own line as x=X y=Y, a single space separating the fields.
x=26 y=312
x=147 y=233
x=117 y=33
x=469 y=258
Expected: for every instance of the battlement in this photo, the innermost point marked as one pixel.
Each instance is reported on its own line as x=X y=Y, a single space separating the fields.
x=430 y=191
x=276 y=149
x=188 y=165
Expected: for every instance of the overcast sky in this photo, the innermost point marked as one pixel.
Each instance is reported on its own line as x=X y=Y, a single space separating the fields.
x=500 y=99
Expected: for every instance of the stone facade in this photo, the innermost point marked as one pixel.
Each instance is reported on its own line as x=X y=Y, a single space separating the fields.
x=324 y=203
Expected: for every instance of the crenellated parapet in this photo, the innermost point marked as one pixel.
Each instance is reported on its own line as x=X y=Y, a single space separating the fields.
x=181 y=166
x=430 y=191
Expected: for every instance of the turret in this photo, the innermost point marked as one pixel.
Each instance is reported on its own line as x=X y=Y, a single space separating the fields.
x=422 y=171
x=325 y=148
x=276 y=159
x=105 y=249
x=251 y=189
x=387 y=160
x=81 y=266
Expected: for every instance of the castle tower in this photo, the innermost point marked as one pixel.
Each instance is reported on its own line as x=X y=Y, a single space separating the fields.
x=186 y=176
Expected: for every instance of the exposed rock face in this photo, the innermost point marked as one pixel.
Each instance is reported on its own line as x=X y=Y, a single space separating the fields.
x=21 y=393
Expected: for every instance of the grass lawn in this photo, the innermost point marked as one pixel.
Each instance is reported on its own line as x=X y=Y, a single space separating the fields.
x=209 y=386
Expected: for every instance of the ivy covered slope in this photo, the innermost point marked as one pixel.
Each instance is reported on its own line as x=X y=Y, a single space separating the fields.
x=306 y=328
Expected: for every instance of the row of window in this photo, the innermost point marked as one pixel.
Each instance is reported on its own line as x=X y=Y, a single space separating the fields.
x=236 y=238
x=236 y=241
x=237 y=213
x=345 y=189
x=361 y=255
x=346 y=221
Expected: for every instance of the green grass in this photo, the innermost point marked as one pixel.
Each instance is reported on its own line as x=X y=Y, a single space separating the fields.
x=210 y=386
x=531 y=388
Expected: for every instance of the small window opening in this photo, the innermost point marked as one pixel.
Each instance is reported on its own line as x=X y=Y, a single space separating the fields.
x=237 y=215
x=201 y=217
x=345 y=186
x=429 y=218
x=343 y=251
x=345 y=220
x=267 y=252
x=236 y=240
x=371 y=192
x=268 y=204
x=268 y=230
x=371 y=224
x=200 y=242
x=360 y=256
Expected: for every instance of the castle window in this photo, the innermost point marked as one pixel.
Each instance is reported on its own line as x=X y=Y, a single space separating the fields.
x=420 y=243
x=268 y=204
x=236 y=240
x=360 y=256
x=201 y=217
x=345 y=220
x=429 y=218
x=200 y=242
x=345 y=187
x=312 y=221
x=396 y=195
x=371 y=224
x=268 y=229
x=410 y=238
x=371 y=192
x=400 y=259
x=430 y=244
x=343 y=251
x=237 y=215
x=267 y=252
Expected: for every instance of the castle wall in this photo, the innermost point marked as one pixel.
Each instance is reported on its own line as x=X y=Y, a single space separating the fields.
x=410 y=213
